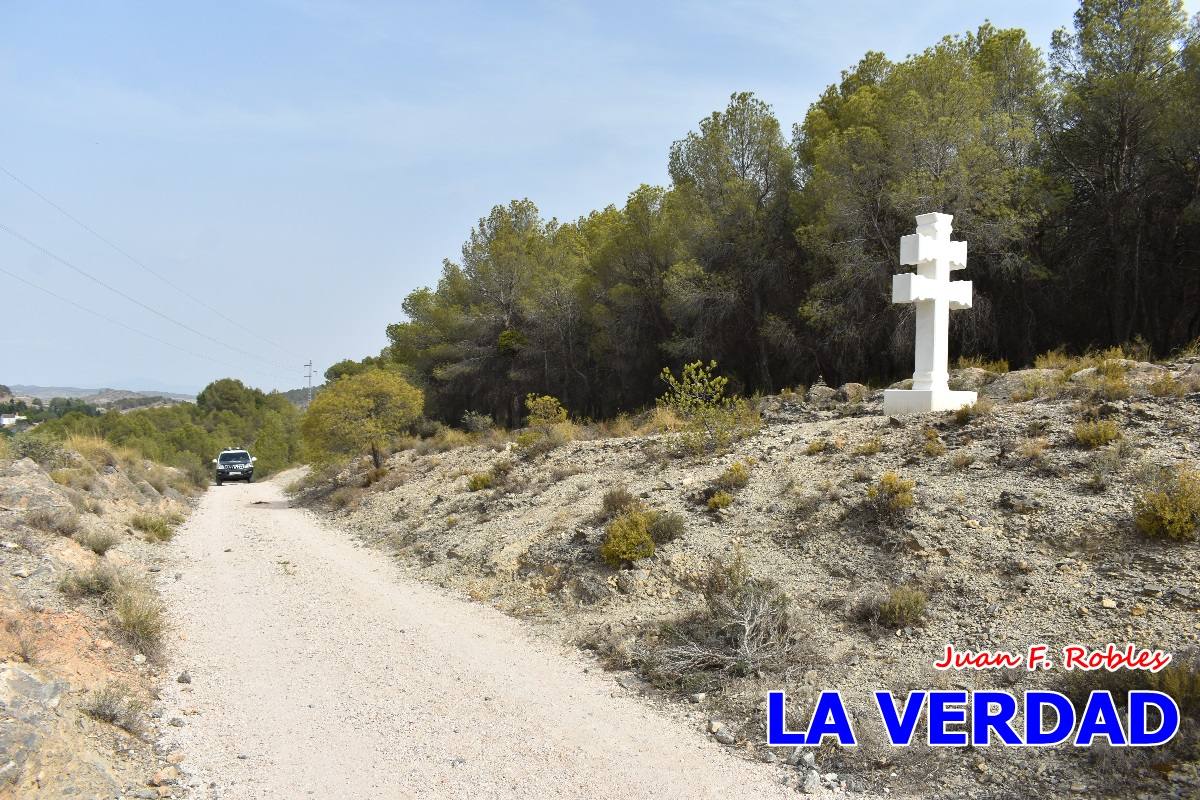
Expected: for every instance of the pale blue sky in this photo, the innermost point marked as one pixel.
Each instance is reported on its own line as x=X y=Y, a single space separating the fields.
x=303 y=164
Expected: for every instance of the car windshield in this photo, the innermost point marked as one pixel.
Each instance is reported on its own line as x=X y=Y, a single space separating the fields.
x=228 y=458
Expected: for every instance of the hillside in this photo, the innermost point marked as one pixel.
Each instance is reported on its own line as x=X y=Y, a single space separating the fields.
x=98 y=397
x=81 y=538
x=1021 y=532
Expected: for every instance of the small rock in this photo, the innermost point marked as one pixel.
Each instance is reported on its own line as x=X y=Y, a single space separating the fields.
x=175 y=722
x=139 y=659
x=184 y=677
x=164 y=777
x=175 y=758
x=812 y=782
x=724 y=736
x=104 y=645
x=1108 y=602
x=698 y=697
x=23 y=572
x=714 y=726
x=809 y=759
x=768 y=756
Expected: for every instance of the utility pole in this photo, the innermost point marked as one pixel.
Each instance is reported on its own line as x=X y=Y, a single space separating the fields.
x=309 y=366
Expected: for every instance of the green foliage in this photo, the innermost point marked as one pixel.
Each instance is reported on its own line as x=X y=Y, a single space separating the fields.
x=41 y=448
x=712 y=421
x=719 y=500
x=1096 y=433
x=901 y=607
x=1170 y=507
x=156 y=527
x=628 y=538
x=480 y=481
x=1072 y=179
x=735 y=477
x=188 y=436
x=360 y=414
x=544 y=411
x=891 y=498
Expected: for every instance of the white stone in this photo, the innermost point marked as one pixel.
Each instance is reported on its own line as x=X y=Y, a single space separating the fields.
x=935 y=296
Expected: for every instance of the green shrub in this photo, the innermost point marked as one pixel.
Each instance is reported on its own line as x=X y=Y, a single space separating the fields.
x=1096 y=433
x=904 y=606
x=816 y=446
x=711 y=421
x=480 y=481
x=544 y=411
x=615 y=501
x=1170 y=507
x=980 y=408
x=736 y=476
x=719 y=500
x=46 y=452
x=933 y=444
x=156 y=527
x=890 y=498
x=627 y=538
x=475 y=422
x=666 y=526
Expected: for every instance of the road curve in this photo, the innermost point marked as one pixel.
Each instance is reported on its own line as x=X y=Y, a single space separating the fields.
x=318 y=670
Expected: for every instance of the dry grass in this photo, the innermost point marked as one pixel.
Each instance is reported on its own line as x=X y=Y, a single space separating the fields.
x=155 y=527
x=998 y=366
x=140 y=617
x=901 y=607
x=746 y=628
x=869 y=447
x=99 y=542
x=115 y=705
x=980 y=408
x=58 y=521
x=101 y=580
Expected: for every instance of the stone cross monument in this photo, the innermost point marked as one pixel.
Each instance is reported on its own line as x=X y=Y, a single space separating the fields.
x=935 y=295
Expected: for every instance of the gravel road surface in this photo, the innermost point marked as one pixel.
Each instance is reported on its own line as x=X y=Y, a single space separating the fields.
x=317 y=670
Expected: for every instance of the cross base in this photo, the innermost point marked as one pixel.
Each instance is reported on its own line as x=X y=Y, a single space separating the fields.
x=920 y=401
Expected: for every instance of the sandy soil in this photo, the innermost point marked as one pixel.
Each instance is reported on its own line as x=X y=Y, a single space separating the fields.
x=317 y=670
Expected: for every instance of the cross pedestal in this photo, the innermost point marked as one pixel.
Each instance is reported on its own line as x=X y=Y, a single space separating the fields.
x=935 y=296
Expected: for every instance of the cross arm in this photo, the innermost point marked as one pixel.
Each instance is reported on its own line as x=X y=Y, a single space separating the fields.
x=909 y=287
x=915 y=249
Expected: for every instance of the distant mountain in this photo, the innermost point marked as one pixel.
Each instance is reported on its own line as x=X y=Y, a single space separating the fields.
x=98 y=397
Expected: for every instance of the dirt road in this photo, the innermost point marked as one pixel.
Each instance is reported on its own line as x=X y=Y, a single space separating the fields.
x=318 y=671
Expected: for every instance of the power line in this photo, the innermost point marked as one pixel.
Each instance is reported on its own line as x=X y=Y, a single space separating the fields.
x=132 y=299
x=112 y=321
x=138 y=262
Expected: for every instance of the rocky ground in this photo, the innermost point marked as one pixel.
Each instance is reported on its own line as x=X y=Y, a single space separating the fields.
x=1019 y=534
x=80 y=670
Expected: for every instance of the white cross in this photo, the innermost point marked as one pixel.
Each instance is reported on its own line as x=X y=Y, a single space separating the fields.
x=935 y=295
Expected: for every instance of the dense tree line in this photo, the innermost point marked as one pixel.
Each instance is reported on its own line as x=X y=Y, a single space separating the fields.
x=1074 y=179
x=226 y=414
x=37 y=411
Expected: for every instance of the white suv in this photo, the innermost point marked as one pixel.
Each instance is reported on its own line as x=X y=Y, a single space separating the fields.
x=234 y=465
